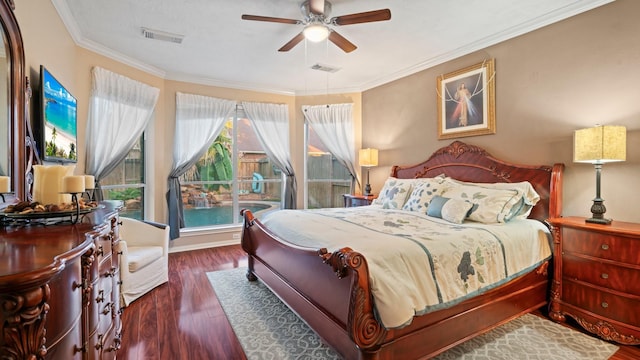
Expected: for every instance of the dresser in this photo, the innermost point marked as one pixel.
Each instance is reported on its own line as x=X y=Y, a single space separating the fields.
x=596 y=278
x=351 y=200
x=59 y=289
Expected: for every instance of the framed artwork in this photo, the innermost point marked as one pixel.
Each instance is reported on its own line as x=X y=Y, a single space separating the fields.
x=466 y=101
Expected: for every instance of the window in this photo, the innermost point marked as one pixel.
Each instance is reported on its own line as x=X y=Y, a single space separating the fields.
x=233 y=174
x=326 y=178
x=127 y=182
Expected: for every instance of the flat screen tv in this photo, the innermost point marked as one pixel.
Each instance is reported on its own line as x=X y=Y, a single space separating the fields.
x=58 y=130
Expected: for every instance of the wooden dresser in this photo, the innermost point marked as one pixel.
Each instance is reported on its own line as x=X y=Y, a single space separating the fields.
x=59 y=289
x=597 y=277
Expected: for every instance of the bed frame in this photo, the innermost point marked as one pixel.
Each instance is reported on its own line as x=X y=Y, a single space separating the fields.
x=330 y=291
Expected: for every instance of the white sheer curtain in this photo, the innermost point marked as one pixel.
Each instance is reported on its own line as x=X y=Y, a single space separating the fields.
x=271 y=122
x=334 y=126
x=119 y=110
x=199 y=120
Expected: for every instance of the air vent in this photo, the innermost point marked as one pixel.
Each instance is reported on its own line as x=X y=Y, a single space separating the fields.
x=325 y=68
x=162 y=35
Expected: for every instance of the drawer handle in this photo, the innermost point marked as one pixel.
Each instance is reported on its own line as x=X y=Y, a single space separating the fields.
x=604 y=305
x=107 y=309
x=100 y=251
x=100 y=297
x=604 y=275
x=604 y=247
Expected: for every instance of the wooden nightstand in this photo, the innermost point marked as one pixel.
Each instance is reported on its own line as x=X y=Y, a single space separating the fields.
x=357 y=200
x=596 y=278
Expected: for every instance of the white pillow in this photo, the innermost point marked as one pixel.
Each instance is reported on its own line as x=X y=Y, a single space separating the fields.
x=393 y=193
x=529 y=195
x=490 y=205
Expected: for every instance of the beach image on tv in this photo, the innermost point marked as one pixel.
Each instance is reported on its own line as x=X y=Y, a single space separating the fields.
x=59 y=120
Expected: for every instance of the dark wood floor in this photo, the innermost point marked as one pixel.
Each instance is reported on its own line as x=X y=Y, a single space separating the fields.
x=184 y=320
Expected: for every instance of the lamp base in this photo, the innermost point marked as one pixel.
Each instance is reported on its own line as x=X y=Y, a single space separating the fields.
x=367 y=190
x=599 y=221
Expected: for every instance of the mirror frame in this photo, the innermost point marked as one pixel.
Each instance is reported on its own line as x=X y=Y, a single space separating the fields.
x=17 y=88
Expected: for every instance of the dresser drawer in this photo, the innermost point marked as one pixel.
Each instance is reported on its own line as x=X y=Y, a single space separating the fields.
x=604 y=246
x=611 y=276
x=604 y=303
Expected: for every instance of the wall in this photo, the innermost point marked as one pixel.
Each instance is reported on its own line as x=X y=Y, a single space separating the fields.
x=573 y=74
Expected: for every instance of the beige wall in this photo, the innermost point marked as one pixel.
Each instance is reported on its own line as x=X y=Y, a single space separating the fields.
x=570 y=75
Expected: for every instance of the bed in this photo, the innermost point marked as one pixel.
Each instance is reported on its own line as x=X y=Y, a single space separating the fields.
x=331 y=290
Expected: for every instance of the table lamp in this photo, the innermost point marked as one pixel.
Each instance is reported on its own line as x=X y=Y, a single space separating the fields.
x=599 y=145
x=367 y=158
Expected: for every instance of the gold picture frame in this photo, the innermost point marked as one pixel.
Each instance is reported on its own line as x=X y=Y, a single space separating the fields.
x=466 y=101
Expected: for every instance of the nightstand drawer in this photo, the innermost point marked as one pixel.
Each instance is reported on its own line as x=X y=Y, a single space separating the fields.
x=604 y=246
x=357 y=200
x=610 y=305
x=606 y=275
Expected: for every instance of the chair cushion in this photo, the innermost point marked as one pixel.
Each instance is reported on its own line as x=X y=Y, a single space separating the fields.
x=141 y=256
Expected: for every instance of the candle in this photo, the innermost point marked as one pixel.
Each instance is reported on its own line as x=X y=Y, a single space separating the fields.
x=47 y=183
x=5 y=184
x=73 y=184
x=89 y=182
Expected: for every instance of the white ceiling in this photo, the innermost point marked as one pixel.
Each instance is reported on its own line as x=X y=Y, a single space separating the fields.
x=220 y=49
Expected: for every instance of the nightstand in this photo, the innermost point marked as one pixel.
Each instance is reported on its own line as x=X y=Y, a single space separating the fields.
x=357 y=200
x=596 y=278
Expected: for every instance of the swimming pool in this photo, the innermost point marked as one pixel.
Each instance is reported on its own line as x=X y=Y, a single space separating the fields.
x=217 y=215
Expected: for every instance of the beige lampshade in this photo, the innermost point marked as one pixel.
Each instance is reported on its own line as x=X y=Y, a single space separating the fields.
x=600 y=144
x=368 y=157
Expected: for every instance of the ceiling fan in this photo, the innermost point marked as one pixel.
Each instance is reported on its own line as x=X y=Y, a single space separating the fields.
x=316 y=23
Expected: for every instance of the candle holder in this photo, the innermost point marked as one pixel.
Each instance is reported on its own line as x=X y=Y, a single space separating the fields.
x=74 y=200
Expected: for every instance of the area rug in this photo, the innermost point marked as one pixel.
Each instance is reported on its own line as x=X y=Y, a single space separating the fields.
x=267 y=329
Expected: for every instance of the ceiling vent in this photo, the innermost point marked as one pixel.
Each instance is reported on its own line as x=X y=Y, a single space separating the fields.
x=162 y=35
x=325 y=68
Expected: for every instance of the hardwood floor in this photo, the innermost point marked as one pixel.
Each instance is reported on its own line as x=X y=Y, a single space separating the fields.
x=184 y=320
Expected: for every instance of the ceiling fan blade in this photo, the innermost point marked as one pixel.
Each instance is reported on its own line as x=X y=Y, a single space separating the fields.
x=293 y=42
x=363 y=17
x=271 y=19
x=340 y=41
x=316 y=7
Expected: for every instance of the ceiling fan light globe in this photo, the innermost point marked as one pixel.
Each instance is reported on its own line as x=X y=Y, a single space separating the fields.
x=316 y=32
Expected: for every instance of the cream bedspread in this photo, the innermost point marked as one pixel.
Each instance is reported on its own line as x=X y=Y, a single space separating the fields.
x=419 y=263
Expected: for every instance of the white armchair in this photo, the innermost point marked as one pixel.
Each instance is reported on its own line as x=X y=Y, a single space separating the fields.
x=144 y=261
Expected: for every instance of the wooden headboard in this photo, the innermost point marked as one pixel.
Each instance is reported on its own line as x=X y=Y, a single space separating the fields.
x=471 y=163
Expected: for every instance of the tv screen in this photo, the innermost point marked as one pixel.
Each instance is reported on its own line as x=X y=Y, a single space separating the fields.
x=59 y=120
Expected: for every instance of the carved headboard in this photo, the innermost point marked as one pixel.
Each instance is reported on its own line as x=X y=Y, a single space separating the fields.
x=471 y=163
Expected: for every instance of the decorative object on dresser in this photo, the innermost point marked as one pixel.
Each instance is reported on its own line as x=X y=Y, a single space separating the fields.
x=357 y=200
x=599 y=145
x=144 y=250
x=596 y=278
x=59 y=289
x=368 y=158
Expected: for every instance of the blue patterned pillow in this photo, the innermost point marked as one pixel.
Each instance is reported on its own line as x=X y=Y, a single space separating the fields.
x=423 y=191
x=452 y=210
x=393 y=193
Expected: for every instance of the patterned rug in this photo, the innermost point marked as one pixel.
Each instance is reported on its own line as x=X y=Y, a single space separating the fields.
x=267 y=329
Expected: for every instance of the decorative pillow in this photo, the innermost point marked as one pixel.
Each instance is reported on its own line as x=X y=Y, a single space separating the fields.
x=393 y=193
x=529 y=195
x=423 y=191
x=489 y=205
x=452 y=210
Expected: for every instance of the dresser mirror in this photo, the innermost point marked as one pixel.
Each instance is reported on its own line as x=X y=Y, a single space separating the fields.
x=12 y=104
